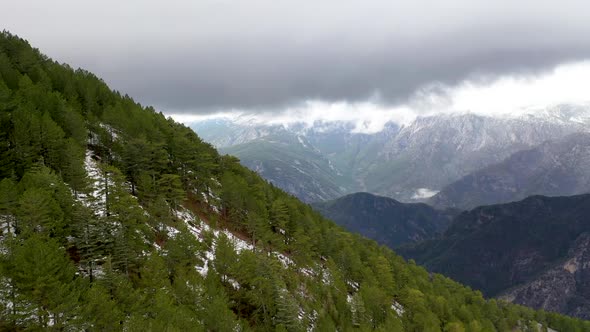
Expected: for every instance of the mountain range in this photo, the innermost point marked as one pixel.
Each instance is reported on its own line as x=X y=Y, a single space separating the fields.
x=408 y=163
x=554 y=168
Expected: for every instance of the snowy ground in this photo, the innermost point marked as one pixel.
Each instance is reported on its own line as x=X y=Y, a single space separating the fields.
x=198 y=227
x=96 y=199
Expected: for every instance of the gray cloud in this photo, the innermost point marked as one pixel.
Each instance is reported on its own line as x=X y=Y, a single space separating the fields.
x=206 y=55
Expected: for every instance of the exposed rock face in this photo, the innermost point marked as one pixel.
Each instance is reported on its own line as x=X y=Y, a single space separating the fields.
x=563 y=288
x=386 y=220
x=554 y=168
x=539 y=245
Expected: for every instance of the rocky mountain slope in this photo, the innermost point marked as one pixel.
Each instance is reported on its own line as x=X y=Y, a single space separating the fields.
x=533 y=250
x=554 y=168
x=413 y=162
x=437 y=150
x=564 y=287
x=386 y=220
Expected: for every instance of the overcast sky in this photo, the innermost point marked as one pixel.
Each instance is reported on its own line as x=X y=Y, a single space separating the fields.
x=204 y=56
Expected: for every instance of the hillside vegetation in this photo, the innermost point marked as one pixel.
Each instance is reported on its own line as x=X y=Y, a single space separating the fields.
x=116 y=218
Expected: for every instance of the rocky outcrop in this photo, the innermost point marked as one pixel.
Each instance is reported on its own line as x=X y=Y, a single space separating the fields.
x=563 y=288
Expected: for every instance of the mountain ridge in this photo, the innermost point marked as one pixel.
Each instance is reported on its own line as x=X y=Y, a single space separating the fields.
x=384 y=219
x=554 y=168
x=421 y=157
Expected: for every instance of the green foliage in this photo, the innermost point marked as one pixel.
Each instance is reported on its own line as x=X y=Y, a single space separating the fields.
x=45 y=280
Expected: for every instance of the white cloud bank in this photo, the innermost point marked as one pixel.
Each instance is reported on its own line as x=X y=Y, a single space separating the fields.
x=504 y=96
x=424 y=193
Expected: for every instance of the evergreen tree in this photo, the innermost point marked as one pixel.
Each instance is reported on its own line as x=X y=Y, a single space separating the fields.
x=44 y=276
x=171 y=188
x=225 y=257
x=8 y=206
x=72 y=166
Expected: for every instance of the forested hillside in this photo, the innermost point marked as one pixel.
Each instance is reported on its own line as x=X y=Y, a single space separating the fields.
x=116 y=218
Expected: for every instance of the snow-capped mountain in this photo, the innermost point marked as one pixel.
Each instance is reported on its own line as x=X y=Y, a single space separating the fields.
x=436 y=150
x=408 y=163
x=554 y=168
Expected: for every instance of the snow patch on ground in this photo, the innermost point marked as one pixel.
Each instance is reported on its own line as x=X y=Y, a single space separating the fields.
x=197 y=227
x=211 y=199
x=172 y=232
x=96 y=199
x=234 y=283
x=301 y=314
x=312 y=321
x=354 y=285
x=285 y=261
x=114 y=132
x=307 y=272
x=7 y=225
x=398 y=308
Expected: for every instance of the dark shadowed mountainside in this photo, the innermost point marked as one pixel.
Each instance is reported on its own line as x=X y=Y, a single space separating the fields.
x=384 y=219
x=522 y=244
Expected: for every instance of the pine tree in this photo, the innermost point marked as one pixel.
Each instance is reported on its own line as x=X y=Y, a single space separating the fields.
x=26 y=138
x=44 y=276
x=279 y=218
x=225 y=257
x=216 y=314
x=93 y=239
x=100 y=311
x=8 y=206
x=287 y=310
x=52 y=142
x=170 y=187
x=72 y=166
x=7 y=151
x=38 y=212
